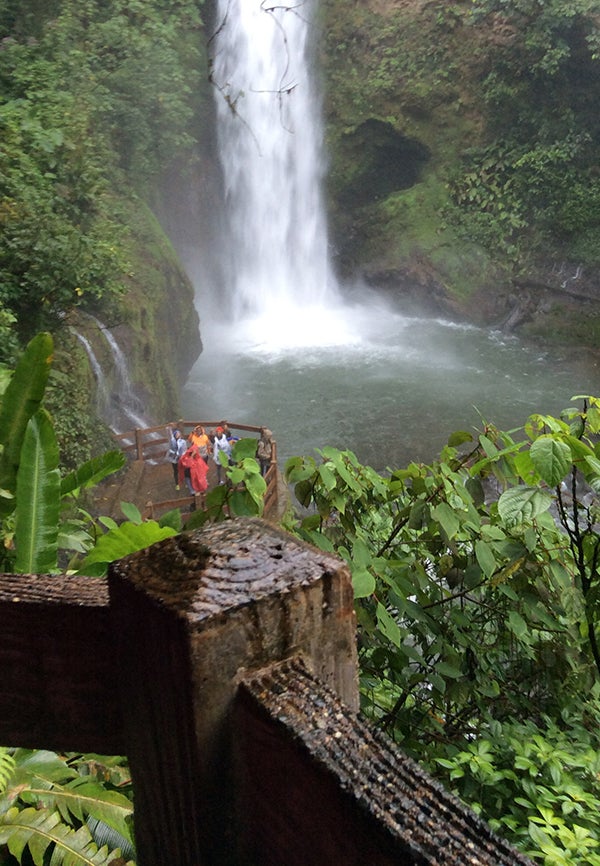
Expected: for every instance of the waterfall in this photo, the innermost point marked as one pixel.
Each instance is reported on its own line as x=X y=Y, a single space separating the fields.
x=102 y=399
x=121 y=407
x=269 y=130
x=130 y=402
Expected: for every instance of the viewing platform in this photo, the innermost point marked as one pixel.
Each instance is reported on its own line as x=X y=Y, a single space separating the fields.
x=147 y=479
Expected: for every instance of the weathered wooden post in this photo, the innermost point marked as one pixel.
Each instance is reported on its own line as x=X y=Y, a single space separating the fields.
x=58 y=665
x=223 y=664
x=139 y=443
x=193 y=615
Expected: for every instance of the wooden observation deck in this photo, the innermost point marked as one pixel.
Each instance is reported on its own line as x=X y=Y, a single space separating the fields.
x=147 y=481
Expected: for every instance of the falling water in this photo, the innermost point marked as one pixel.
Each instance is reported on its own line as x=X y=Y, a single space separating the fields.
x=101 y=386
x=288 y=352
x=120 y=407
x=130 y=402
x=270 y=145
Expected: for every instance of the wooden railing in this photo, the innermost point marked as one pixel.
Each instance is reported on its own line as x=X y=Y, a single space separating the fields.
x=223 y=664
x=151 y=444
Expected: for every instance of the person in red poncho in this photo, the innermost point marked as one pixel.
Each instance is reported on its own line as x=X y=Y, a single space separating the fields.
x=193 y=470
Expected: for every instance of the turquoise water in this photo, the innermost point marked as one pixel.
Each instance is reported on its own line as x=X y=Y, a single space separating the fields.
x=392 y=392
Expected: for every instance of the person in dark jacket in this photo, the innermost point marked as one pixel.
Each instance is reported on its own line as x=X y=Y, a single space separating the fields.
x=264 y=449
x=177 y=448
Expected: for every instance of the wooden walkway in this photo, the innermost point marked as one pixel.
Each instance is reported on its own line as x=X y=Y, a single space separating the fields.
x=147 y=479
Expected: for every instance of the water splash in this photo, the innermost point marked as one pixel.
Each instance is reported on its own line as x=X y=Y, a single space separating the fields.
x=280 y=279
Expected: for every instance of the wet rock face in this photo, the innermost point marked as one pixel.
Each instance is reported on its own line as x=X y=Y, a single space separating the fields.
x=383 y=161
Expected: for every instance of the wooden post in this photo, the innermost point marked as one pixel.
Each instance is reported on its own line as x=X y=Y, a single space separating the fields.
x=58 y=665
x=193 y=615
x=223 y=664
x=139 y=443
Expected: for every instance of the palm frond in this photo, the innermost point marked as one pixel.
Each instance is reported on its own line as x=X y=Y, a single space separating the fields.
x=80 y=798
x=38 y=829
x=7 y=767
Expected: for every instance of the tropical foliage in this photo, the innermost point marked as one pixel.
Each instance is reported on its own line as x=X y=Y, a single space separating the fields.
x=477 y=583
x=533 y=177
x=69 y=809
x=39 y=515
x=74 y=809
x=94 y=99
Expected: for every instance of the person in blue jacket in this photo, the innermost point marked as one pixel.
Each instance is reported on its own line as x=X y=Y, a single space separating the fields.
x=177 y=448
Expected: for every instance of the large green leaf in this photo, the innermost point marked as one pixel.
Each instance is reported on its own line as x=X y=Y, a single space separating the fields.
x=363 y=583
x=242 y=504
x=551 y=458
x=521 y=504
x=20 y=402
x=92 y=472
x=256 y=487
x=447 y=519
x=243 y=449
x=126 y=539
x=82 y=797
x=485 y=558
x=41 y=763
x=38 y=498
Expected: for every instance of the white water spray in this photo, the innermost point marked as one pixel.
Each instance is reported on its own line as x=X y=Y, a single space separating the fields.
x=279 y=275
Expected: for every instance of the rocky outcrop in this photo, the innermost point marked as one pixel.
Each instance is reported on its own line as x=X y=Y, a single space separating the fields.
x=135 y=352
x=403 y=106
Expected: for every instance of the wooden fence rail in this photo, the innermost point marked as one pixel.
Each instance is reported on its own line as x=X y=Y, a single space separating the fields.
x=151 y=444
x=223 y=664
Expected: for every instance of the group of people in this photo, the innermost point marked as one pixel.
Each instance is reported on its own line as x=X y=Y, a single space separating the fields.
x=190 y=457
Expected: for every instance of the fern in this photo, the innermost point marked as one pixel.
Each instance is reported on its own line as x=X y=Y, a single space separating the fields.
x=76 y=810
x=38 y=829
x=103 y=834
x=7 y=766
x=80 y=798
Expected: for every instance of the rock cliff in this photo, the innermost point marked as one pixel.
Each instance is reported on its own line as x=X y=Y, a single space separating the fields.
x=409 y=100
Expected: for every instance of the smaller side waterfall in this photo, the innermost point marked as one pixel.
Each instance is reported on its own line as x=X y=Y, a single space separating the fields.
x=102 y=397
x=130 y=402
x=117 y=403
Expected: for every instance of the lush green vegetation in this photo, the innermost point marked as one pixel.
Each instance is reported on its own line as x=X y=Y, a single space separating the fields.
x=532 y=182
x=505 y=97
x=477 y=581
x=91 y=97
x=65 y=809
x=74 y=809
